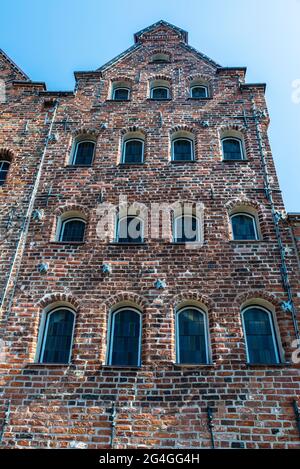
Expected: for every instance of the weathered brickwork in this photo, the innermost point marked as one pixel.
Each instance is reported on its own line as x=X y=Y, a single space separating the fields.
x=161 y=404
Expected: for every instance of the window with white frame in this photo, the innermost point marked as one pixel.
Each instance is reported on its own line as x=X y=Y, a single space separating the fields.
x=186 y=229
x=125 y=338
x=130 y=229
x=198 y=91
x=260 y=336
x=160 y=58
x=182 y=149
x=232 y=149
x=4 y=167
x=159 y=90
x=71 y=229
x=244 y=227
x=120 y=91
x=133 y=151
x=57 y=336
x=191 y=336
x=83 y=152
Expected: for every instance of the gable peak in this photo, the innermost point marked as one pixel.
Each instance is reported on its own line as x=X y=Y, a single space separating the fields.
x=157 y=30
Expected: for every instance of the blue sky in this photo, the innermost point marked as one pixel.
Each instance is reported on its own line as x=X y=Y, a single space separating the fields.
x=51 y=39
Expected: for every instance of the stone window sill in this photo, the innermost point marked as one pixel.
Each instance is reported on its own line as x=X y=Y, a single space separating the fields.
x=44 y=365
x=207 y=98
x=268 y=365
x=122 y=367
x=116 y=243
x=67 y=243
x=180 y=162
x=194 y=365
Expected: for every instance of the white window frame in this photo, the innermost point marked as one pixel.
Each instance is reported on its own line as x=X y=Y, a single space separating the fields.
x=61 y=228
x=199 y=86
x=117 y=239
x=207 y=349
x=192 y=149
x=175 y=234
x=74 y=153
x=44 y=332
x=241 y=148
x=274 y=334
x=254 y=221
x=120 y=88
x=1 y=165
x=110 y=337
x=153 y=88
x=124 y=149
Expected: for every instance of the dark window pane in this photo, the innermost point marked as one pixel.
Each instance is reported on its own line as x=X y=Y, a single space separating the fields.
x=133 y=151
x=58 y=340
x=192 y=338
x=243 y=227
x=126 y=338
x=258 y=330
x=121 y=94
x=182 y=150
x=130 y=230
x=232 y=149
x=186 y=229
x=72 y=230
x=84 y=153
x=4 y=167
x=160 y=93
x=199 y=92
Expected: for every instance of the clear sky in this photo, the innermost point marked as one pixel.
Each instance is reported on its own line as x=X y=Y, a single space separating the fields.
x=49 y=39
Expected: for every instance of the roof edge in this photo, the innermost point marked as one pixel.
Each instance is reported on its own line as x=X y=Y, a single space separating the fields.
x=13 y=64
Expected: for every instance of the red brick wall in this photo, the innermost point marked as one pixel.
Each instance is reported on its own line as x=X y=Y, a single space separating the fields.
x=161 y=404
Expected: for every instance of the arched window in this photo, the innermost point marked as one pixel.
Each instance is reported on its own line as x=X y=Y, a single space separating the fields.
x=186 y=229
x=121 y=94
x=160 y=93
x=83 y=153
x=133 y=151
x=56 y=345
x=4 y=167
x=120 y=91
x=244 y=227
x=261 y=343
x=125 y=338
x=192 y=341
x=71 y=230
x=232 y=148
x=182 y=149
x=198 y=91
x=160 y=58
x=130 y=229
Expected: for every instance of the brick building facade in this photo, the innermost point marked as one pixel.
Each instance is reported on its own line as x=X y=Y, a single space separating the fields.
x=225 y=400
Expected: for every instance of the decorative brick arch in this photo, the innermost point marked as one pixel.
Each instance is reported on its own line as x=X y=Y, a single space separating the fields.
x=55 y=297
x=191 y=295
x=85 y=132
x=132 y=129
x=161 y=77
x=201 y=77
x=71 y=208
x=6 y=154
x=242 y=201
x=123 y=79
x=236 y=127
x=252 y=294
x=121 y=297
x=183 y=128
